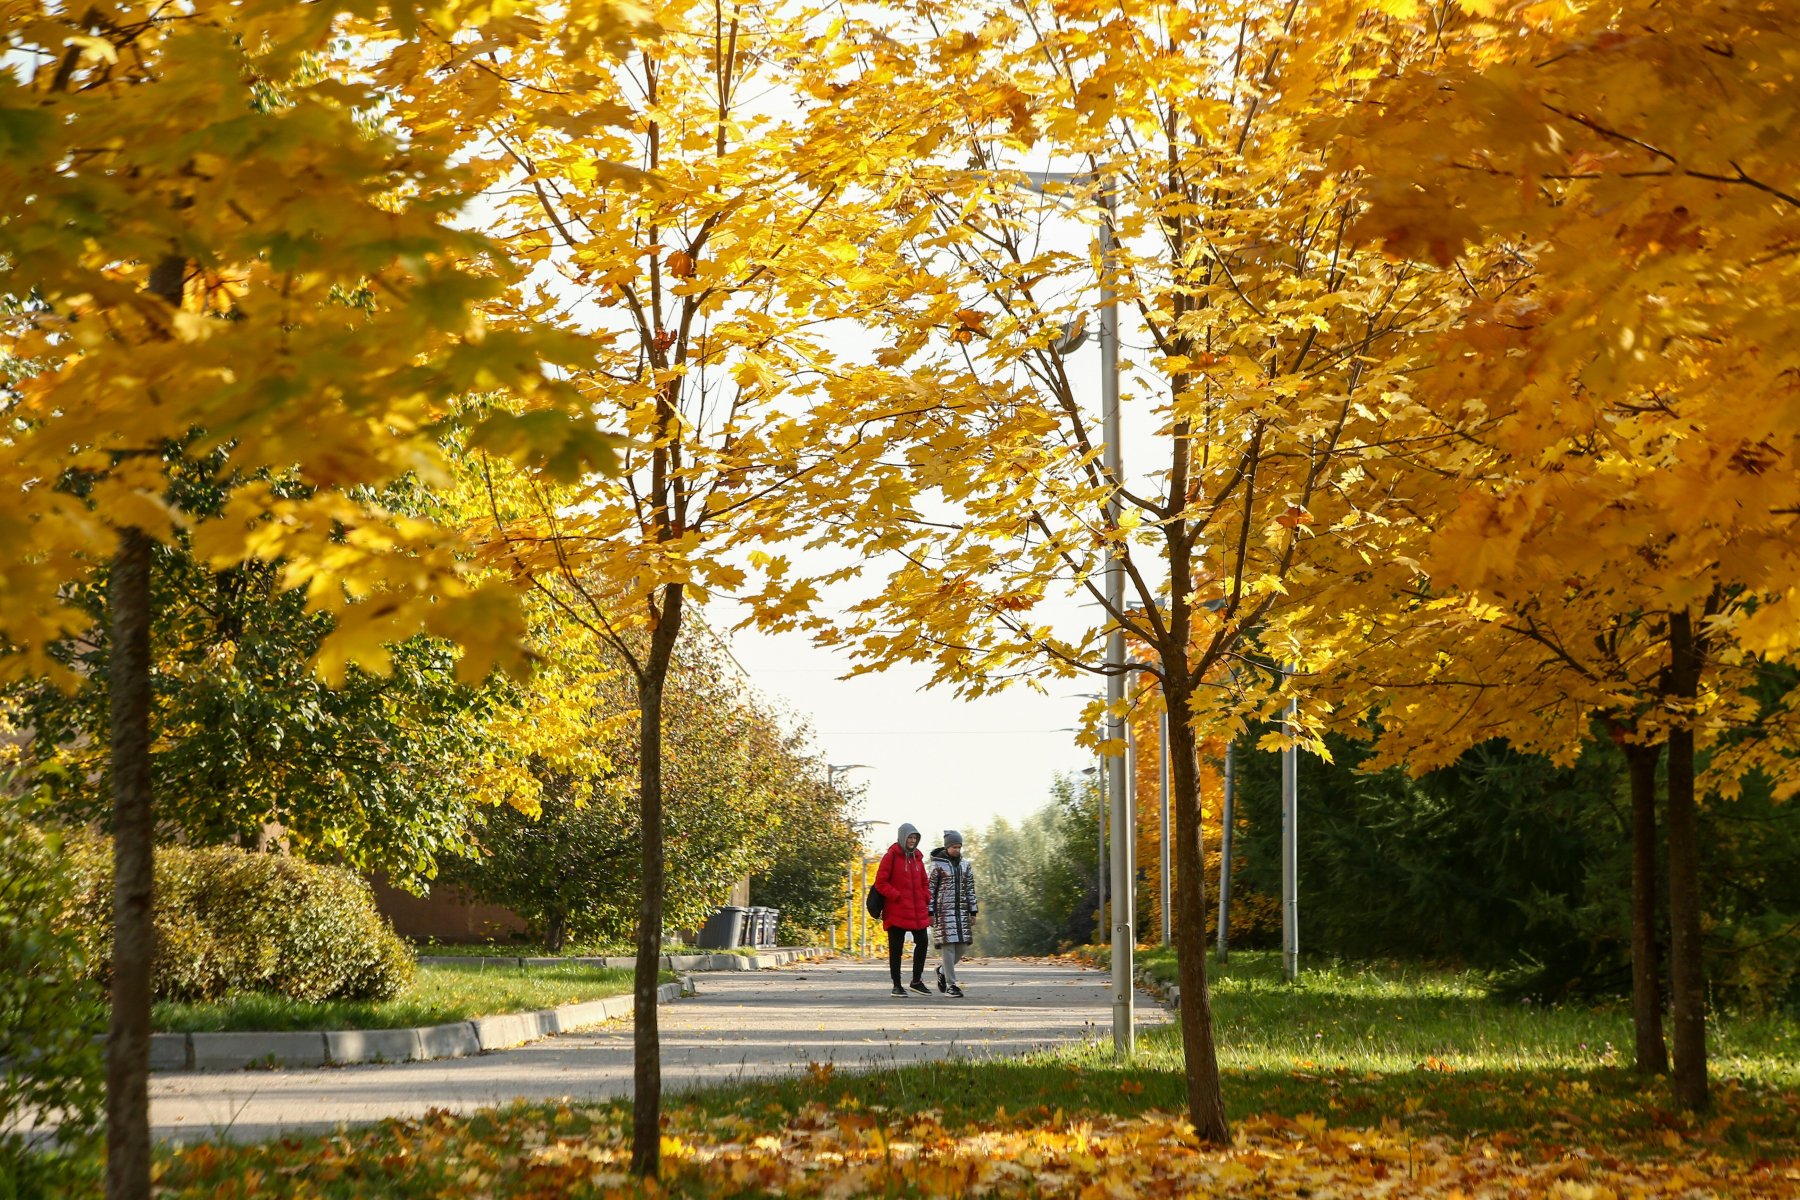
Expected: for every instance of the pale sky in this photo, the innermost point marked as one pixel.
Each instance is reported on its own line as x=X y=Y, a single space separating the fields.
x=932 y=759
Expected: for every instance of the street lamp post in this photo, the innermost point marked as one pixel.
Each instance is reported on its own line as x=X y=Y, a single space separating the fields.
x=1164 y=817
x=1226 y=817
x=1123 y=938
x=859 y=915
x=1290 y=840
x=1124 y=1033
x=832 y=771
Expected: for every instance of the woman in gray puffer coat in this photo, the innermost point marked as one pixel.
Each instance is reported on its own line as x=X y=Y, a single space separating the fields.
x=953 y=907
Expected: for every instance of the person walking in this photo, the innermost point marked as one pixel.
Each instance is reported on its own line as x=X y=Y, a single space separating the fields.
x=953 y=908
x=906 y=906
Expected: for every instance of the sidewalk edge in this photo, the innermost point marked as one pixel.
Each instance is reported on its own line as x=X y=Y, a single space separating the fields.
x=238 y=1050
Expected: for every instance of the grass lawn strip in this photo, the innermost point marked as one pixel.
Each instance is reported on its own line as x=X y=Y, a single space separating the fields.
x=1456 y=1099
x=584 y=950
x=437 y=995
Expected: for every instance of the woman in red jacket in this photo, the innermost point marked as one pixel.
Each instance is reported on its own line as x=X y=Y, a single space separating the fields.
x=906 y=906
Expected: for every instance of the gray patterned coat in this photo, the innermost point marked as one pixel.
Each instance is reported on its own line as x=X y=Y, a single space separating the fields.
x=953 y=902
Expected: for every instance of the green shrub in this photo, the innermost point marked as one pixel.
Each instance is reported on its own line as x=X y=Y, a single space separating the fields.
x=232 y=921
x=50 y=1010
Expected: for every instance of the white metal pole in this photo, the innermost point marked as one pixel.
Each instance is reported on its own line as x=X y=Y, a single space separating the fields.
x=849 y=869
x=1225 y=821
x=1131 y=810
x=1290 y=848
x=1122 y=938
x=1100 y=925
x=1124 y=1034
x=1163 y=818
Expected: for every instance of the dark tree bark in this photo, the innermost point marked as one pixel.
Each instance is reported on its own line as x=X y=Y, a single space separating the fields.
x=646 y=1127
x=1652 y=1055
x=134 y=853
x=1206 y=1100
x=133 y=938
x=1206 y=1097
x=1687 y=975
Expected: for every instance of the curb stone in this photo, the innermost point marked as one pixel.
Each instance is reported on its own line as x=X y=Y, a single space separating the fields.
x=229 y=1051
x=457 y=1039
x=1168 y=994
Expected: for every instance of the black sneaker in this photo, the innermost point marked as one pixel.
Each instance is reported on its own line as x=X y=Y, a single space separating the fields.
x=942 y=986
x=956 y=991
x=918 y=985
x=898 y=990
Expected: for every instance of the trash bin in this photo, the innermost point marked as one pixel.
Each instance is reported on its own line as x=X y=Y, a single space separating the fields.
x=724 y=930
x=770 y=937
x=754 y=935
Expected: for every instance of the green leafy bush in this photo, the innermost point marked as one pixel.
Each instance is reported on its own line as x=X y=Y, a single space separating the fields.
x=50 y=1010
x=232 y=921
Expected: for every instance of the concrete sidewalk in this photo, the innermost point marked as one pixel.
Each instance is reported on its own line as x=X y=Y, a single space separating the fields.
x=740 y=1025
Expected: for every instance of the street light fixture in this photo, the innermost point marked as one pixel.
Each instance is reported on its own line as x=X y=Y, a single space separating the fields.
x=832 y=770
x=1123 y=939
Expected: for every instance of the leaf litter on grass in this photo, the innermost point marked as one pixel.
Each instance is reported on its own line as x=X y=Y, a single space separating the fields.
x=834 y=1153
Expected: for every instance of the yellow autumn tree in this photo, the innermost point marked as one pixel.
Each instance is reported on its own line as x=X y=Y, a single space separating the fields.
x=1619 y=526
x=1272 y=403
x=694 y=269
x=208 y=249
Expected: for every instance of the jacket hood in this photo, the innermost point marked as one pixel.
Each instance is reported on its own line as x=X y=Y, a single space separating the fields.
x=941 y=854
x=906 y=831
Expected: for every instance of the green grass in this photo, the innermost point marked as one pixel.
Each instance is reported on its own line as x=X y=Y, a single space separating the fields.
x=1393 y=1018
x=537 y=950
x=1418 y=1053
x=437 y=994
x=1357 y=1045
x=523 y=950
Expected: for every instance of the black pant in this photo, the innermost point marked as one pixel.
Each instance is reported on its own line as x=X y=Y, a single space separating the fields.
x=897 y=949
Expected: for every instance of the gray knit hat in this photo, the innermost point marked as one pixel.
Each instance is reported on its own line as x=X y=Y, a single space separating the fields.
x=952 y=837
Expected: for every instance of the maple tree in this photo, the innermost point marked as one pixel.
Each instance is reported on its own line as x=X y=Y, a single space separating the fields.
x=1453 y=673
x=1273 y=399
x=1624 y=505
x=209 y=248
x=687 y=249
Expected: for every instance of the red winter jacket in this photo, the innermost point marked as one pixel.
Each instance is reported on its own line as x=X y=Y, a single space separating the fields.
x=901 y=882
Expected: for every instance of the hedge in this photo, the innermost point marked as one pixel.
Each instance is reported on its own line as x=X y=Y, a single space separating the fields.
x=228 y=920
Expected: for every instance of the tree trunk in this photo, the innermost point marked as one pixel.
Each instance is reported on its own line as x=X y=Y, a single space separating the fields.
x=133 y=939
x=556 y=931
x=1652 y=1056
x=1687 y=976
x=1206 y=1101
x=646 y=1128
x=134 y=832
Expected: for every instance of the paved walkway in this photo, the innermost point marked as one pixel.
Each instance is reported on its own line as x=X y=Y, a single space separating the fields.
x=740 y=1025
